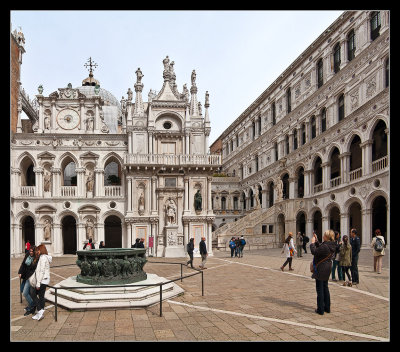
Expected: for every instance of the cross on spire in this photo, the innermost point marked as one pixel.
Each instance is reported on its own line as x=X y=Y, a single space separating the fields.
x=91 y=64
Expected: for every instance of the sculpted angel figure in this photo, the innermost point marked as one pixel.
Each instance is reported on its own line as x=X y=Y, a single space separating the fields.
x=193 y=77
x=130 y=94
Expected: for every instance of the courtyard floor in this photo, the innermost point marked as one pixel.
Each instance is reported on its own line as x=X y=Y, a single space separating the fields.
x=245 y=299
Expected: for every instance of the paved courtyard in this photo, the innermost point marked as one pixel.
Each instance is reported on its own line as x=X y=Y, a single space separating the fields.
x=245 y=299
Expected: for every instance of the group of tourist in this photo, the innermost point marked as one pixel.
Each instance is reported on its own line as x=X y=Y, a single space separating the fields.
x=202 y=250
x=333 y=254
x=237 y=245
x=34 y=273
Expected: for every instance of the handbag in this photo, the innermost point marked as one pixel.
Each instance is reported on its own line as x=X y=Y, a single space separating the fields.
x=314 y=268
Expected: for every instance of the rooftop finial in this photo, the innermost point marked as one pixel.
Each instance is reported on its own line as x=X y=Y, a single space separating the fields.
x=91 y=64
x=90 y=81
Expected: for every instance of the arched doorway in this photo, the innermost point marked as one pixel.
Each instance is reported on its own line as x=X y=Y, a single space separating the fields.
x=28 y=231
x=251 y=198
x=379 y=216
x=68 y=225
x=317 y=225
x=334 y=219
x=355 y=219
x=300 y=223
x=113 y=232
x=281 y=228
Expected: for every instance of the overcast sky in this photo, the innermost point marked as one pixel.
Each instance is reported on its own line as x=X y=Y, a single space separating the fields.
x=236 y=54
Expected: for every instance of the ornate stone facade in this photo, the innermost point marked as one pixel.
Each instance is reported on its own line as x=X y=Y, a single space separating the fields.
x=95 y=167
x=329 y=147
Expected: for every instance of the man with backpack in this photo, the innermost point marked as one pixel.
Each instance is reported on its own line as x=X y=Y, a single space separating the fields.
x=242 y=243
x=378 y=250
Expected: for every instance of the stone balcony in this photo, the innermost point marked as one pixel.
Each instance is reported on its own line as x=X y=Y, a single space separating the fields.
x=173 y=159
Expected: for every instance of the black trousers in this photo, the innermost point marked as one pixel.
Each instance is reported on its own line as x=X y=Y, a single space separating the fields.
x=323 y=296
x=345 y=271
x=38 y=296
x=354 y=268
x=288 y=260
x=191 y=259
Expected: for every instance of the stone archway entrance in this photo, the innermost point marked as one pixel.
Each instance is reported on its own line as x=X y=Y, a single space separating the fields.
x=355 y=219
x=301 y=223
x=334 y=219
x=28 y=231
x=68 y=225
x=113 y=232
x=379 y=216
x=317 y=225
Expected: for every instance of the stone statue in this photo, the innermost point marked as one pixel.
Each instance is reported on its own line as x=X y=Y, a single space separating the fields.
x=123 y=103
x=199 y=106
x=193 y=77
x=207 y=101
x=185 y=93
x=47 y=230
x=166 y=63
x=89 y=229
x=89 y=123
x=139 y=76
x=141 y=203
x=280 y=189
x=89 y=182
x=197 y=200
x=171 y=212
x=47 y=182
x=46 y=122
x=130 y=94
x=257 y=196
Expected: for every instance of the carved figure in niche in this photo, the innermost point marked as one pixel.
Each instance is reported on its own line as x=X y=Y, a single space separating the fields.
x=171 y=212
x=89 y=182
x=89 y=123
x=125 y=270
x=47 y=230
x=141 y=203
x=46 y=122
x=89 y=229
x=280 y=189
x=197 y=200
x=47 y=182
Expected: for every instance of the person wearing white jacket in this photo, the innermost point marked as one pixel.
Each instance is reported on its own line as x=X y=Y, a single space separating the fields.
x=378 y=256
x=40 y=279
x=289 y=250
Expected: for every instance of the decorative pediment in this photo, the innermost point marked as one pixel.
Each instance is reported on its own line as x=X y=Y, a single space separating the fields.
x=69 y=92
x=45 y=209
x=46 y=155
x=89 y=155
x=89 y=208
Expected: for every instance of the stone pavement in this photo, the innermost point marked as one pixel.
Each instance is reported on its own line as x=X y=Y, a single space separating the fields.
x=245 y=299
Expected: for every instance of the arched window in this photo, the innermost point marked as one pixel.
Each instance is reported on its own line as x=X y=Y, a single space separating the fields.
x=259 y=125
x=313 y=127
x=285 y=181
x=341 y=107
x=260 y=195
x=323 y=120
x=256 y=162
x=276 y=151
x=69 y=174
x=112 y=174
x=231 y=145
x=379 y=145
x=273 y=108
x=336 y=58
x=351 y=45
x=375 y=22
x=335 y=167
x=303 y=134
x=235 y=203
x=287 y=144
x=355 y=153
x=318 y=172
x=271 y=194
x=320 y=72
x=244 y=200
x=387 y=73
x=289 y=100
x=251 y=196
x=253 y=128
x=295 y=145
x=300 y=183
x=223 y=203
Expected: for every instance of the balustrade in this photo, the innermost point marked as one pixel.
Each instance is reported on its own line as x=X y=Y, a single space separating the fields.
x=113 y=191
x=355 y=174
x=380 y=164
x=336 y=181
x=318 y=188
x=68 y=191
x=28 y=191
x=172 y=159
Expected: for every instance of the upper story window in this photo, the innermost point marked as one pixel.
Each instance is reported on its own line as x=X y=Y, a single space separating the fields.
x=289 y=100
x=237 y=140
x=231 y=145
x=259 y=125
x=336 y=58
x=341 y=107
x=375 y=22
x=253 y=128
x=323 y=120
x=273 y=108
x=295 y=140
x=320 y=72
x=276 y=151
x=287 y=144
x=351 y=45
x=387 y=73
x=313 y=127
x=256 y=163
x=303 y=134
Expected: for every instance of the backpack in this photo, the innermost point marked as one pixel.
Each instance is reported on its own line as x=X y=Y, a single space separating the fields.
x=242 y=242
x=378 y=246
x=232 y=244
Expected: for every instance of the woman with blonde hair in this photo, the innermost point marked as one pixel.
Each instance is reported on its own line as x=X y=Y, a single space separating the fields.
x=40 y=279
x=322 y=264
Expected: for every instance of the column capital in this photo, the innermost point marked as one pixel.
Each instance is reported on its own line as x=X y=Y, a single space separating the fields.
x=345 y=154
x=327 y=163
x=366 y=143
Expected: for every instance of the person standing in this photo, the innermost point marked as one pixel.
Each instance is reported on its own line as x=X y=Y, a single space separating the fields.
x=241 y=246
x=336 y=259
x=345 y=258
x=305 y=241
x=89 y=245
x=190 y=249
x=40 y=279
x=141 y=243
x=137 y=243
x=323 y=253
x=378 y=250
x=355 y=248
x=299 y=244
x=203 y=253
x=27 y=246
x=289 y=251
x=101 y=245
x=25 y=271
x=237 y=247
x=232 y=246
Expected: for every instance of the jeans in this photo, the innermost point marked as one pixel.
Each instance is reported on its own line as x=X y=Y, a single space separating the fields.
x=323 y=296
x=236 y=251
x=38 y=296
x=339 y=270
x=232 y=251
x=241 y=251
x=305 y=247
x=25 y=289
x=354 y=268
x=203 y=260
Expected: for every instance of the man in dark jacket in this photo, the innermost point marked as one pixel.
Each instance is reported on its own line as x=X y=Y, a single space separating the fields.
x=323 y=253
x=203 y=253
x=190 y=249
x=355 y=250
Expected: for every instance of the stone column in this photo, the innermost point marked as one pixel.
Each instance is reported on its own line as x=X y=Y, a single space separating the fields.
x=307 y=182
x=366 y=149
x=209 y=205
x=281 y=145
x=57 y=238
x=209 y=238
x=309 y=228
x=186 y=198
x=82 y=124
x=16 y=239
x=153 y=195
x=292 y=184
x=56 y=181
x=38 y=181
x=307 y=127
x=129 y=202
x=96 y=116
x=187 y=143
x=81 y=235
x=53 y=115
x=100 y=232
x=326 y=171
x=366 y=224
x=344 y=224
x=325 y=224
x=150 y=143
x=129 y=234
x=99 y=183
x=291 y=135
x=344 y=166
x=130 y=146
x=41 y=122
x=81 y=182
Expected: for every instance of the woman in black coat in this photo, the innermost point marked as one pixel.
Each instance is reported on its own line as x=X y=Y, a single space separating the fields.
x=323 y=253
x=27 y=268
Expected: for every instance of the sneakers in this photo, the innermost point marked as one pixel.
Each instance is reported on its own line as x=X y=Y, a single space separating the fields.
x=39 y=315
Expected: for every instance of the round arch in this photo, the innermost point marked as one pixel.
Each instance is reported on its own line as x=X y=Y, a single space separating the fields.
x=349 y=140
